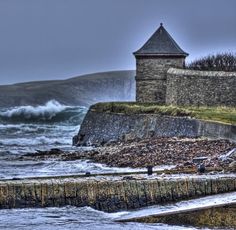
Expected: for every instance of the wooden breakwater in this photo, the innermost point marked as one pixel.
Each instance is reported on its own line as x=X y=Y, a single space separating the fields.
x=110 y=193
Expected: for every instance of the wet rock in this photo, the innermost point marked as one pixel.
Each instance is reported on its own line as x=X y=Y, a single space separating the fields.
x=160 y=151
x=188 y=163
x=88 y=173
x=232 y=166
x=47 y=153
x=228 y=156
x=150 y=151
x=128 y=178
x=128 y=137
x=78 y=139
x=201 y=168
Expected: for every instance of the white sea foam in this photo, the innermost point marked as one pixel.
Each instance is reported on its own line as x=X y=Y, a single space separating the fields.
x=20 y=128
x=42 y=140
x=47 y=111
x=10 y=126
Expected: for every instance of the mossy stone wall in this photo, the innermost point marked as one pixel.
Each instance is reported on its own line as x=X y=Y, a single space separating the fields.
x=110 y=194
x=200 y=88
x=103 y=127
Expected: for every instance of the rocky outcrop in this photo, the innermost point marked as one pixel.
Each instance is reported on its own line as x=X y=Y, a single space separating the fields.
x=110 y=193
x=102 y=127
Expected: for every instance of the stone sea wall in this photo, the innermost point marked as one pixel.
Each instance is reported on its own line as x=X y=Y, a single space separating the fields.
x=98 y=128
x=216 y=130
x=110 y=194
x=204 y=88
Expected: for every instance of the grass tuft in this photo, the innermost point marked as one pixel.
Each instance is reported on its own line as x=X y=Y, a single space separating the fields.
x=219 y=114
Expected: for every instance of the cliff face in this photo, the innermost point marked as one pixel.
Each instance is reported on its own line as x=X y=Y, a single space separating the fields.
x=83 y=90
x=102 y=127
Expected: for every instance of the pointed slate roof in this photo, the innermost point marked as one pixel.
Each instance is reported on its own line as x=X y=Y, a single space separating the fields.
x=160 y=44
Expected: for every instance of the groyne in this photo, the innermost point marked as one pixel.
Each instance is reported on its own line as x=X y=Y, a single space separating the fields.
x=110 y=193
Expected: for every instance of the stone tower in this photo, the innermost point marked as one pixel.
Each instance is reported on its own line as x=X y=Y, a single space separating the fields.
x=153 y=60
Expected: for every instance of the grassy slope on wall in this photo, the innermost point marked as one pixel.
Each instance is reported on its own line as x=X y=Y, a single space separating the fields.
x=219 y=114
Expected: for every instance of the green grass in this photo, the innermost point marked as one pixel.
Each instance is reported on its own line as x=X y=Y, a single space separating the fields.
x=219 y=114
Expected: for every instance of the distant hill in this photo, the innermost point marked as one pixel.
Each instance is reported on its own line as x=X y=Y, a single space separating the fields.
x=82 y=90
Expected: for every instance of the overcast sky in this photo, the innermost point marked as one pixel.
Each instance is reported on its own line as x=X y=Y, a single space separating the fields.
x=58 y=39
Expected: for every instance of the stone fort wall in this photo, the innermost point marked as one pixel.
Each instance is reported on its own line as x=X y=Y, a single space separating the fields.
x=200 y=88
x=102 y=127
x=151 y=75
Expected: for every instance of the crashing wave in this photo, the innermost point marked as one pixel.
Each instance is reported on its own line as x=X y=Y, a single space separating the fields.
x=51 y=111
x=47 y=111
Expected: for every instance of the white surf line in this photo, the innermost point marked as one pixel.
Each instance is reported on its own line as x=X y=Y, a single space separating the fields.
x=182 y=206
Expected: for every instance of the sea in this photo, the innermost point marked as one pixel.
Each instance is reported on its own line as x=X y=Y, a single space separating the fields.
x=27 y=129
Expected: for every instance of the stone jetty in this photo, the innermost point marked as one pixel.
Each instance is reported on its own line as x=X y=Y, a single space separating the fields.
x=111 y=193
x=211 y=211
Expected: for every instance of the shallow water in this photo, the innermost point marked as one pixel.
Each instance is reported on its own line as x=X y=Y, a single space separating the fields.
x=25 y=129
x=71 y=218
x=86 y=218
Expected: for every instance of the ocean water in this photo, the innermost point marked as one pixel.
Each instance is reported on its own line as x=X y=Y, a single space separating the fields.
x=86 y=218
x=70 y=217
x=25 y=129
